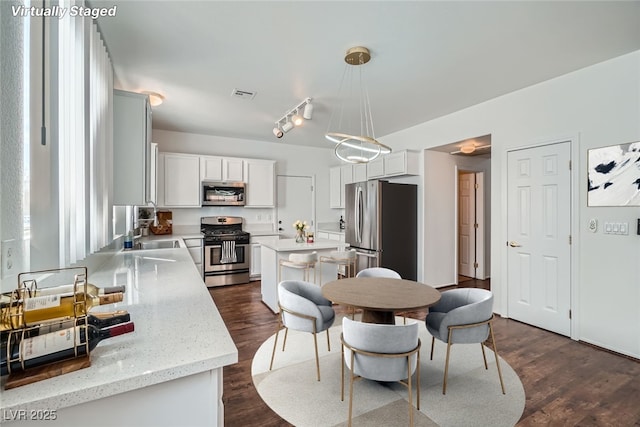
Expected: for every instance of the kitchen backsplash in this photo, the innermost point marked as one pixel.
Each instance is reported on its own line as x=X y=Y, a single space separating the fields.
x=191 y=216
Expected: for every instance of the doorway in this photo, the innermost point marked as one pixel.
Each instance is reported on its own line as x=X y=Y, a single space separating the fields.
x=295 y=201
x=471 y=226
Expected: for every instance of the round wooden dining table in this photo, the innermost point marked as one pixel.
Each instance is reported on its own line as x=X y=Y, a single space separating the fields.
x=380 y=297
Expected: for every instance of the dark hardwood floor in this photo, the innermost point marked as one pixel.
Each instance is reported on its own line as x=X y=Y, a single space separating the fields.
x=567 y=383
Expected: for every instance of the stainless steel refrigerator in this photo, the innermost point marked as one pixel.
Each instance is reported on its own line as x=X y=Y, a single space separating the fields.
x=381 y=224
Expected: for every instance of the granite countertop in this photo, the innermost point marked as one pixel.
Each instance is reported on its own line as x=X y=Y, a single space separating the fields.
x=290 y=245
x=178 y=332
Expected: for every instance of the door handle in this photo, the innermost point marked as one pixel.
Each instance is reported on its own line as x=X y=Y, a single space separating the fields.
x=514 y=244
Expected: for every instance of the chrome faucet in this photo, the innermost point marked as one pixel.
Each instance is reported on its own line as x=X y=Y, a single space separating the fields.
x=155 y=212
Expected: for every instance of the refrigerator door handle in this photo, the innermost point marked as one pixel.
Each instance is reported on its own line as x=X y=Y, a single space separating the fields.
x=358 y=213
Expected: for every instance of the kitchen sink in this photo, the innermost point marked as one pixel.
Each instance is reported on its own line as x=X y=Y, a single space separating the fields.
x=158 y=244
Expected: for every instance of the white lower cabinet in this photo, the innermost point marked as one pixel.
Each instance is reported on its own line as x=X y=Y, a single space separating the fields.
x=339 y=237
x=255 y=270
x=195 y=250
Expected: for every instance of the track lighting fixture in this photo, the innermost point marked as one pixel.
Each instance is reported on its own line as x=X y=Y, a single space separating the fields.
x=308 y=110
x=296 y=119
x=287 y=126
x=293 y=118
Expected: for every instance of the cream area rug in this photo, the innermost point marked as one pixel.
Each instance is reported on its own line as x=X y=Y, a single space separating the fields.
x=473 y=394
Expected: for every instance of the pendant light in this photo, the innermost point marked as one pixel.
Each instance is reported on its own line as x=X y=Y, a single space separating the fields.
x=351 y=123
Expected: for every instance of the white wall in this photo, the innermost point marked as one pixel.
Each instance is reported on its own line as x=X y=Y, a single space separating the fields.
x=290 y=160
x=11 y=135
x=597 y=106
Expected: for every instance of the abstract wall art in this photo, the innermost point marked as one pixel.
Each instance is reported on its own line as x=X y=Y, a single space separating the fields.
x=614 y=175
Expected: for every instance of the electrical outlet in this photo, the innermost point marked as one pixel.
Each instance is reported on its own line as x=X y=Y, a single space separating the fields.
x=9 y=257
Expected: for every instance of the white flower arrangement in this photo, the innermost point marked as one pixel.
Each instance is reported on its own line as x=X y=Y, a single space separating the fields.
x=300 y=225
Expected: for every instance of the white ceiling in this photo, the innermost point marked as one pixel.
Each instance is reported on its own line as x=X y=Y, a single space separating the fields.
x=429 y=58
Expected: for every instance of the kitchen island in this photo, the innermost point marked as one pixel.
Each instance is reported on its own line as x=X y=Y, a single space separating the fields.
x=167 y=372
x=273 y=251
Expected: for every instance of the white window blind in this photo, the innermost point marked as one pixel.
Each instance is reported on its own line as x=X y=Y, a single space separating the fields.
x=85 y=81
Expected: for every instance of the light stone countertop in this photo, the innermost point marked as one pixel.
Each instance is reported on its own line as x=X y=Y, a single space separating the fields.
x=178 y=332
x=184 y=231
x=290 y=245
x=330 y=227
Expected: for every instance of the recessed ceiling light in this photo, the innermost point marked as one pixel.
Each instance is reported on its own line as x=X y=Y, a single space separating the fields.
x=155 y=98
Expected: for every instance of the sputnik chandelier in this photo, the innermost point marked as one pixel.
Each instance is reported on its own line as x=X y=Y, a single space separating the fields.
x=351 y=123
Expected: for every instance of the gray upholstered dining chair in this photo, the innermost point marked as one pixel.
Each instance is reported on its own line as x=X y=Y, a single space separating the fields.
x=303 y=308
x=381 y=272
x=381 y=353
x=378 y=272
x=463 y=316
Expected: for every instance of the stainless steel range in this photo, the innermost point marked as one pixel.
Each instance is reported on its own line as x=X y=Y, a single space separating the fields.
x=226 y=250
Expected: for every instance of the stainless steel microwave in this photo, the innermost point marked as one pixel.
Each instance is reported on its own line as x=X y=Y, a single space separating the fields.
x=223 y=193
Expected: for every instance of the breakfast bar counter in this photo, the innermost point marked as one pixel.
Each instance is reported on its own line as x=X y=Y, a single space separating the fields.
x=271 y=254
x=167 y=372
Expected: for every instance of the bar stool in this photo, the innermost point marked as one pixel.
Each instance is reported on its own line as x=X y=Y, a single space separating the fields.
x=304 y=262
x=345 y=260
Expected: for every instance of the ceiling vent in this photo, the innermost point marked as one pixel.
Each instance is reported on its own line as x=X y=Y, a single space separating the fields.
x=243 y=94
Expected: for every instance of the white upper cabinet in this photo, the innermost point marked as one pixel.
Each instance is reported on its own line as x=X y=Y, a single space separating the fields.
x=259 y=176
x=133 y=171
x=359 y=172
x=180 y=180
x=339 y=176
x=335 y=184
x=211 y=168
x=215 y=168
x=232 y=169
x=404 y=162
x=375 y=168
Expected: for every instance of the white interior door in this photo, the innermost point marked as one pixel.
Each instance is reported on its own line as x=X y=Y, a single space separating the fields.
x=539 y=227
x=466 y=224
x=295 y=202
